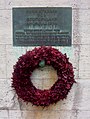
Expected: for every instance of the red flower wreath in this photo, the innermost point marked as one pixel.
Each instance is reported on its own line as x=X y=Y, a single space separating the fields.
x=27 y=63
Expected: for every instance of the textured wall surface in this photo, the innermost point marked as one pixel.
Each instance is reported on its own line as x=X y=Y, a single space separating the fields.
x=77 y=104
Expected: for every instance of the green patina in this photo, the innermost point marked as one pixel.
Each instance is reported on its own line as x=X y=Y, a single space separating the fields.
x=37 y=26
x=42 y=63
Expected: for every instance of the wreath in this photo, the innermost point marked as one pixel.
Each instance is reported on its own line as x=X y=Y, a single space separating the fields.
x=39 y=57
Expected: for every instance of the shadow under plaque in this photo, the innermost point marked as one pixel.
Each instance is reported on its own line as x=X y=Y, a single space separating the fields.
x=48 y=26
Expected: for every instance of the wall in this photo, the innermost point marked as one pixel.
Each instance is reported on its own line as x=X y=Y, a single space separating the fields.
x=77 y=104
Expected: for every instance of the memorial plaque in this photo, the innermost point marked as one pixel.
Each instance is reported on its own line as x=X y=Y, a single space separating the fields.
x=36 y=26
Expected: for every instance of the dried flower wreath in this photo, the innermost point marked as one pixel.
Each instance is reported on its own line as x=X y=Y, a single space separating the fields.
x=26 y=64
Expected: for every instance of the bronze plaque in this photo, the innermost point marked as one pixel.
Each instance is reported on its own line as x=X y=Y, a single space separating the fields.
x=36 y=26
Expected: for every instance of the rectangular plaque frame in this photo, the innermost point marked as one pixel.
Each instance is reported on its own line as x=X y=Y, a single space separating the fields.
x=48 y=26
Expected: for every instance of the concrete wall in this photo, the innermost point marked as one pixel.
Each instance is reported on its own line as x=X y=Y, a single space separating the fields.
x=77 y=104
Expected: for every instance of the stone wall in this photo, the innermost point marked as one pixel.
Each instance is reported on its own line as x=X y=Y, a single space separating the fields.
x=77 y=104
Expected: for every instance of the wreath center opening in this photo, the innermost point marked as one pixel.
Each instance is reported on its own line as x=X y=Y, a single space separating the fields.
x=44 y=77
